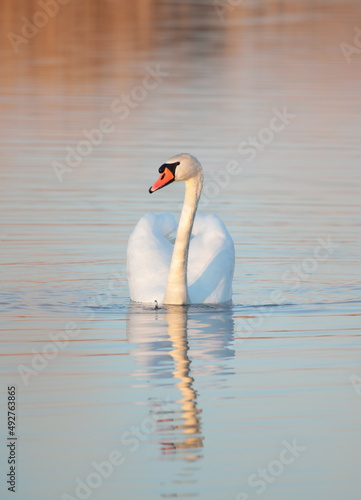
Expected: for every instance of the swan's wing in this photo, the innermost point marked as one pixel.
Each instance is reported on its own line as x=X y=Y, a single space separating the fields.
x=149 y=254
x=210 y=261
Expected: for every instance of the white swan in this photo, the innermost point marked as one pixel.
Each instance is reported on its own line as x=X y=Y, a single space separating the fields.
x=198 y=268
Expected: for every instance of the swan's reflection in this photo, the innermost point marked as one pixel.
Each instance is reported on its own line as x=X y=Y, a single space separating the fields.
x=168 y=341
x=176 y=318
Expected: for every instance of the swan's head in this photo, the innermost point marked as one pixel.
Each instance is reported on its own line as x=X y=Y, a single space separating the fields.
x=178 y=168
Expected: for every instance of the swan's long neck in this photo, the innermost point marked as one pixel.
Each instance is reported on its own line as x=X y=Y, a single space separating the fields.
x=177 y=290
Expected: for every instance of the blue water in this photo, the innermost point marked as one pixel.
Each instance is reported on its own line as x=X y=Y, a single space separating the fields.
x=258 y=399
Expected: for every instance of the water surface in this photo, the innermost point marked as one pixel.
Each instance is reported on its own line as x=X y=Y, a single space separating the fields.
x=200 y=402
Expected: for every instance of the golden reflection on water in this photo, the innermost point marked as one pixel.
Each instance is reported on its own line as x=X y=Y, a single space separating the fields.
x=177 y=336
x=177 y=330
x=87 y=43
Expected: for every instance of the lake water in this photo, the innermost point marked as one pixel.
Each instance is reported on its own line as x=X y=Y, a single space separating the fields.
x=261 y=399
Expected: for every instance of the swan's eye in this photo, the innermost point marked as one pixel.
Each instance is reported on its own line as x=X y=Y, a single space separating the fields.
x=169 y=166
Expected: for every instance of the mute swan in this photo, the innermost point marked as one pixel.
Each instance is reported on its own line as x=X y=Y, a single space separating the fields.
x=198 y=267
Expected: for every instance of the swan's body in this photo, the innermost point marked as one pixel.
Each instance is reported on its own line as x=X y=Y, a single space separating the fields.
x=198 y=268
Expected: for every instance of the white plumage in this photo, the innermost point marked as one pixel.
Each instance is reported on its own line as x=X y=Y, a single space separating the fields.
x=201 y=258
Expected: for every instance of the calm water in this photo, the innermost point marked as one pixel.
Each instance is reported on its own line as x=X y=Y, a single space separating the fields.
x=260 y=399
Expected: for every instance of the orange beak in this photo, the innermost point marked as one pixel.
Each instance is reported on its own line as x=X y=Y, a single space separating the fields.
x=165 y=178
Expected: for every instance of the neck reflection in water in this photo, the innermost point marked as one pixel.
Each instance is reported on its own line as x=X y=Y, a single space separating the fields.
x=180 y=344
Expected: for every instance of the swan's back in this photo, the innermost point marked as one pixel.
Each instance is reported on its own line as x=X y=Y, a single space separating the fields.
x=210 y=260
x=149 y=254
